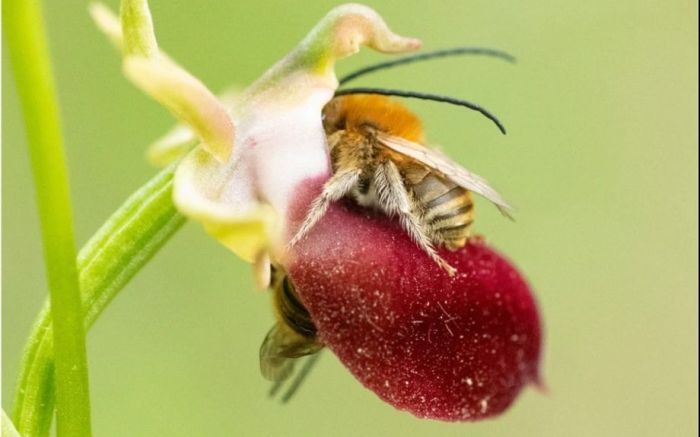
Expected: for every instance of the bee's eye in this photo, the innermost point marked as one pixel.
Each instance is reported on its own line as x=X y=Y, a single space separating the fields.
x=340 y=123
x=332 y=124
x=369 y=127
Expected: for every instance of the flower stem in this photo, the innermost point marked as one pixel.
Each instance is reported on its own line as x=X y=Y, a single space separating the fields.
x=24 y=31
x=122 y=246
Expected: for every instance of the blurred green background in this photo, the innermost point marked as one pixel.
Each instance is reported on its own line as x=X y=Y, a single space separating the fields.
x=600 y=159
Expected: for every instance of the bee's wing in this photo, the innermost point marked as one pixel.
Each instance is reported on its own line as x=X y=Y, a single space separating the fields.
x=444 y=165
x=279 y=350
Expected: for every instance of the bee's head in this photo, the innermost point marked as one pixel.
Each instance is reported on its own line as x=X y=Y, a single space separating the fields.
x=334 y=116
x=360 y=112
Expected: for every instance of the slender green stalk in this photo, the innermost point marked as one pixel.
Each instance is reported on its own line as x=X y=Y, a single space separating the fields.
x=24 y=32
x=122 y=246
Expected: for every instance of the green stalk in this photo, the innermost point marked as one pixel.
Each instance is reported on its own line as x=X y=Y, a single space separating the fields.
x=29 y=56
x=122 y=246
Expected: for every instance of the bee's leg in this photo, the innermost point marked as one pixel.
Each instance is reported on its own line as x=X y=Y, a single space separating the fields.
x=301 y=376
x=395 y=199
x=335 y=188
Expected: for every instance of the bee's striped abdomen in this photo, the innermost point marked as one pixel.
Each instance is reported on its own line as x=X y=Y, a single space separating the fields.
x=293 y=336
x=447 y=210
x=294 y=314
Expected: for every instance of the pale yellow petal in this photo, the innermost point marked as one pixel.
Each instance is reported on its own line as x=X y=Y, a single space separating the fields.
x=108 y=23
x=181 y=139
x=187 y=98
x=172 y=146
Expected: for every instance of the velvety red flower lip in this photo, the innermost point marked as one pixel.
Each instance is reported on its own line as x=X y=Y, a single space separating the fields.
x=443 y=348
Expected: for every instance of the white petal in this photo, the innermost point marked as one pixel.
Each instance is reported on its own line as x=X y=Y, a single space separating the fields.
x=222 y=198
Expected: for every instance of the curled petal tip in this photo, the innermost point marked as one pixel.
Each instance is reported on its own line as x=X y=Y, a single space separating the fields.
x=345 y=29
x=354 y=25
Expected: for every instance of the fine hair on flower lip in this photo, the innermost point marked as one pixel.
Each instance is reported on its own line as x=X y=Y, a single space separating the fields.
x=478 y=340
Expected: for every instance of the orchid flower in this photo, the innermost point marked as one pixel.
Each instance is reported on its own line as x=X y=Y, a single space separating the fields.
x=239 y=181
x=456 y=348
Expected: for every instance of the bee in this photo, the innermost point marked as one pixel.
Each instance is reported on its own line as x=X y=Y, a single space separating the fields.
x=378 y=158
x=293 y=335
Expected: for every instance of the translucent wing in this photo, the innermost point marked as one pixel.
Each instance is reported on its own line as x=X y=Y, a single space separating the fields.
x=445 y=166
x=280 y=349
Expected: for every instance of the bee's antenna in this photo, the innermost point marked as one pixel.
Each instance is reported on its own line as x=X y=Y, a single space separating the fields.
x=444 y=53
x=425 y=96
x=301 y=376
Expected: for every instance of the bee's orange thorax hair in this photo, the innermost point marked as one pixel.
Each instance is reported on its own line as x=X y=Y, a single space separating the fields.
x=382 y=113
